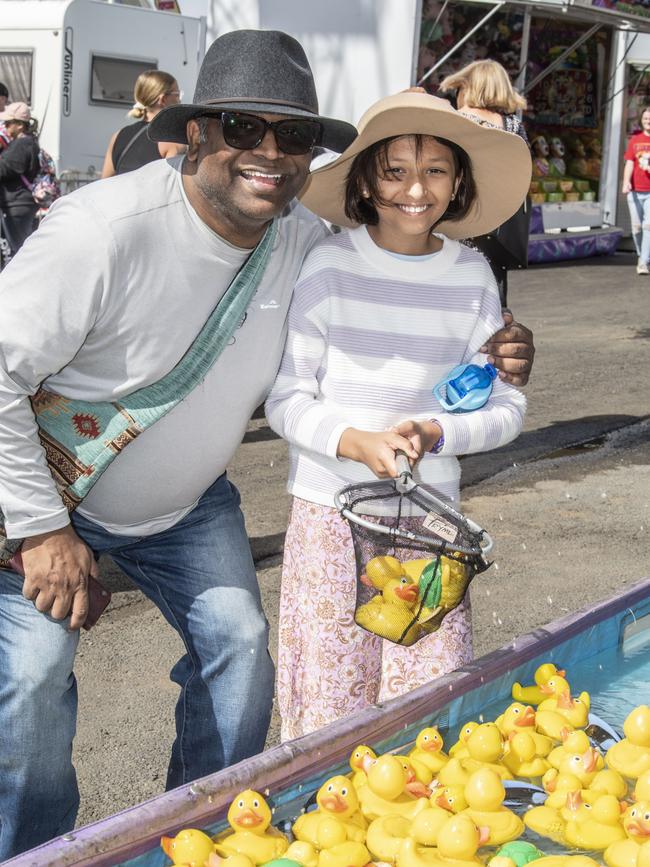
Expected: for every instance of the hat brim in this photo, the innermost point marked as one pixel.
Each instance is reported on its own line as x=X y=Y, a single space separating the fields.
x=170 y=124
x=501 y=162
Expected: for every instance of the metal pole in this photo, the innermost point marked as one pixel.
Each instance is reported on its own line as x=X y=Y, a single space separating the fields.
x=559 y=60
x=462 y=41
x=523 y=53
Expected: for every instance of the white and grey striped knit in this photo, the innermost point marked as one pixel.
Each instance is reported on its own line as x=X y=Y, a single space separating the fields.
x=369 y=337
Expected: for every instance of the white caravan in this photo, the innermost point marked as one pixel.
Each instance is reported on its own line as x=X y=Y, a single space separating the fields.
x=75 y=62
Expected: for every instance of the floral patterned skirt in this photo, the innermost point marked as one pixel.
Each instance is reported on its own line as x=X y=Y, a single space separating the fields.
x=328 y=667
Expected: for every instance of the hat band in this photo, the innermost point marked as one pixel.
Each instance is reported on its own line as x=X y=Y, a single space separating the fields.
x=253 y=99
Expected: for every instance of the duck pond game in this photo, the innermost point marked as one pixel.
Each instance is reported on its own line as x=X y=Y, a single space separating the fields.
x=537 y=751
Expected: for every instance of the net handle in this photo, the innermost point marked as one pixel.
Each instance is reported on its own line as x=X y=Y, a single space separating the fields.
x=486 y=544
x=404 y=484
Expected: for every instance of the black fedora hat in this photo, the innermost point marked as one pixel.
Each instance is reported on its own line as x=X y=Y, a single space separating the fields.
x=254 y=71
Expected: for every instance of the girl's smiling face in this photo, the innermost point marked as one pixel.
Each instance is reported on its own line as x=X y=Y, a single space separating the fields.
x=414 y=190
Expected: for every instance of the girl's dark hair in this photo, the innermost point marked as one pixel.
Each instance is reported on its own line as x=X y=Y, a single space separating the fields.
x=372 y=163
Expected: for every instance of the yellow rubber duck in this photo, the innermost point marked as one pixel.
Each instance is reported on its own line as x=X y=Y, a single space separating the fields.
x=337 y=818
x=485 y=748
x=631 y=756
x=348 y=854
x=522 y=759
x=573 y=742
x=428 y=749
x=636 y=824
x=380 y=570
x=598 y=830
x=357 y=759
x=418 y=777
x=533 y=694
x=584 y=765
x=426 y=826
x=552 y=823
x=450 y=798
x=251 y=834
x=414 y=568
x=303 y=853
x=458 y=842
x=609 y=782
x=547 y=822
x=390 y=614
x=441 y=587
x=566 y=861
x=385 y=793
x=575 y=710
x=559 y=785
x=485 y=793
x=519 y=717
x=385 y=835
x=189 y=847
x=453 y=773
x=460 y=747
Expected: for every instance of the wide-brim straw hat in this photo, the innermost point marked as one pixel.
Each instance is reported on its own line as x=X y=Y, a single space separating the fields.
x=256 y=71
x=501 y=162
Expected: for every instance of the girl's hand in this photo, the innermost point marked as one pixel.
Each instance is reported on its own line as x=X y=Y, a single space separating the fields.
x=376 y=450
x=626 y=188
x=423 y=435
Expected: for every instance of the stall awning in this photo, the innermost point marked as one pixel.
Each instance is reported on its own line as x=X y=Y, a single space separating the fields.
x=621 y=14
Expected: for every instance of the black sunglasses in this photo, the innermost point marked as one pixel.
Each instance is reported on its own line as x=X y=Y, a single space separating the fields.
x=246 y=131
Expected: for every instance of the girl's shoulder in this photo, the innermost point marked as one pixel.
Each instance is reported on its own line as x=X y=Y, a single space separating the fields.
x=330 y=250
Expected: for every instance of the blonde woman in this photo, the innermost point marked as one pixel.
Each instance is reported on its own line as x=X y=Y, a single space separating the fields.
x=485 y=94
x=130 y=148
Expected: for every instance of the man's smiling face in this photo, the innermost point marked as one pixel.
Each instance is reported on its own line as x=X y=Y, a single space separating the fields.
x=243 y=188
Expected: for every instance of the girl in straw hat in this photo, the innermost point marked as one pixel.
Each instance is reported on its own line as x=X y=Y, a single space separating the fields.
x=381 y=313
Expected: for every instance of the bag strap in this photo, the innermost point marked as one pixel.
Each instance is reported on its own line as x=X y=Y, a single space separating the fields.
x=128 y=147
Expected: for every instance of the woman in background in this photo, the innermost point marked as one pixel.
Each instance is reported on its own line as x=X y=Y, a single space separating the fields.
x=19 y=165
x=485 y=93
x=130 y=148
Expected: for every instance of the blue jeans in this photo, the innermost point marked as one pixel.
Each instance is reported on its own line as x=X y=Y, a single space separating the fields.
x=200 y=574
x=639 y=205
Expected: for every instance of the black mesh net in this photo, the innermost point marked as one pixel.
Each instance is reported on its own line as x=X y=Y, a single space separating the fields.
x=415 y=558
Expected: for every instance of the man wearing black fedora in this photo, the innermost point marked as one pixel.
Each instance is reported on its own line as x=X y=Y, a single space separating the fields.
x=149 y=310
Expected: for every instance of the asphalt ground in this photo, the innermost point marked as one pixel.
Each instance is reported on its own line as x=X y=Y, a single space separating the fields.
x=568 y=504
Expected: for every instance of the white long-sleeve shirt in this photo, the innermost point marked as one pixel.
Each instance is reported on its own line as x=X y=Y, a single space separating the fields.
x=370 y=335
x=106 y=298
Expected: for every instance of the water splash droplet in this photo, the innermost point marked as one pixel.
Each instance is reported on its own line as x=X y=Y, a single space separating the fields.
x=523 y=546
x=549 y=600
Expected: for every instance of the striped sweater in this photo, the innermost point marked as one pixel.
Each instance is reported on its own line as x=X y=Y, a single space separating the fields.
x=369 y=336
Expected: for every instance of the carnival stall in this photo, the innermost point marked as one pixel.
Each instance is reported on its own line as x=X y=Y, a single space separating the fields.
x=568 y=57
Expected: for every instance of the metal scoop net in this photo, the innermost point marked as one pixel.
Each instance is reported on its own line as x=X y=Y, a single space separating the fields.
x=415 y=556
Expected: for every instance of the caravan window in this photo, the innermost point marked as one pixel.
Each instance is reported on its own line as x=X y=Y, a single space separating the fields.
x=16 y=73
x=113 y=78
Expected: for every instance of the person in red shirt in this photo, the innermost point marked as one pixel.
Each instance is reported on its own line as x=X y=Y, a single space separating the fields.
x=636 y=186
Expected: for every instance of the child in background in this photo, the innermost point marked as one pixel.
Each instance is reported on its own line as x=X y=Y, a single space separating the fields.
x=380 y=314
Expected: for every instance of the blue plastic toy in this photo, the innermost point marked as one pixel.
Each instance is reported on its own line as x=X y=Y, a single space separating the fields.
x=466 y=387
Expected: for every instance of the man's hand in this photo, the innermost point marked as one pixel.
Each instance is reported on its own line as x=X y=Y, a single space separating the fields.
x=512 y=351
x=57 y=566
x=376 y=450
